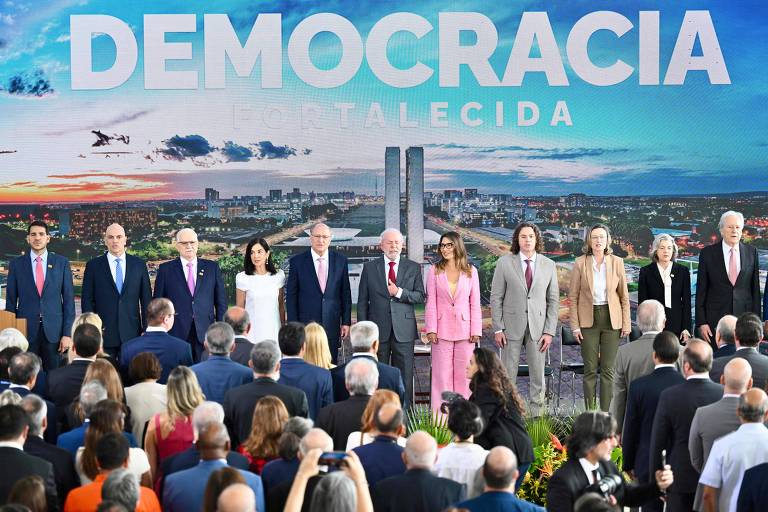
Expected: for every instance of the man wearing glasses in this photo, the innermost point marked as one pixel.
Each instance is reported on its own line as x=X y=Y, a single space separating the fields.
x=317 y=289
x=196 y=289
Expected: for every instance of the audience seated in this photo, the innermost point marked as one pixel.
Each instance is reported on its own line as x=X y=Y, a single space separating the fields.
x=383 y=457
x=725 y=337
x=218 y=374
x=22 y=373
x=30 y=492
x=147 y=397
x=217 y=482
x=240 y=322
x=5 y=359
x=240 y=402
x=12 y=337
x=342 y=418
x=462 y=458
x=748 y=333
x=284 y=468
x=102 y=371
x=314 y=381
x=236 y=498
x=316 y=350
x=121 y=486
x=269 y=417
x=64 y=383
x=368 y=431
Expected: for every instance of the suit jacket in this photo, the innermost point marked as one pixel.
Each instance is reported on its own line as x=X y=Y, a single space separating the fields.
x=170 y=350
x=715 y=295
x=753 y=494
x=208 y=304
x=389 y=378
x=189 y=458
x=390 y=313
x=63 y=464
x=454 y=317
x=726 y=350
x=56 y=307
x=498 y=501
x=672 y=427
x=342 y=418
x=184 y=491
x=218 y=375
x=278 y=495
x=569 y=482
x=381 y=458
x=417 y=490
x=17 y=464
x=642 y=401
x=510 y=297
x=241 y=354
x=240 y=402
x=64 y=384
x=123 y=314
x=650 y=286
x=52 y=432
x=278 y=471
x=757 y=361
x=314 y=381
x=580 y=293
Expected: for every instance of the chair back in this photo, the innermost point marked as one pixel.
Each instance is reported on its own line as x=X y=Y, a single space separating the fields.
x=566 y=336
x=634 y=333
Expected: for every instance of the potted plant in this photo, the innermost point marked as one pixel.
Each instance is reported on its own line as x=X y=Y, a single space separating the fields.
x=421 y=417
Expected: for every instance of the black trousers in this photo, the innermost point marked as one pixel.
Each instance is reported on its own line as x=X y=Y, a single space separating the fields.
x=196 y=344
x=400 y=355
x=47 y=350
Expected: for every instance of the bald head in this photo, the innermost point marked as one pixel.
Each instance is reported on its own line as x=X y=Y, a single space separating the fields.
x=236 y=498
x=650 y=316
x=500 y=470
x=213 y=441
x=238 y=320
x=420 y=451
x=389 y=419
x=114 y=239
x=753 y=406
x=316 y=438
x=737 y=376
x=697 y=357
x=724 y=334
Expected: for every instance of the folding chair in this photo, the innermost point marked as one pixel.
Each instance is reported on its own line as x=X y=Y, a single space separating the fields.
x=567 y=339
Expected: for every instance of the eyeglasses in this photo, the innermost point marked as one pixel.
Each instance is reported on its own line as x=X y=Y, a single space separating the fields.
x=448 y=245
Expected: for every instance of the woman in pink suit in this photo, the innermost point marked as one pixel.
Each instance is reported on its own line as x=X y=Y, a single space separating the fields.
x=453 y=317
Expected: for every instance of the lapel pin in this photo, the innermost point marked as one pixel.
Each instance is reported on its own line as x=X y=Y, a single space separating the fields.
x=200 y=273
x=50 y=266
x=671 y=275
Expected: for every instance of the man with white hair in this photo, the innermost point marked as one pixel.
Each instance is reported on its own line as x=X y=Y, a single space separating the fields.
x=417 y=489
x=196 y=288
x=389 y=288
x=725 y=337
x=635 y=359
x=11 y=337
x=728 y=277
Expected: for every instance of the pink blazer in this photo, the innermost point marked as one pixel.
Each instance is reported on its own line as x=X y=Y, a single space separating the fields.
x=453 y=318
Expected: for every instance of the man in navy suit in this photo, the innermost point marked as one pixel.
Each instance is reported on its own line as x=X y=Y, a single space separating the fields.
x=753 y=494
x=383 y=457
x=170 y=350
x=40 y=290
x=116 y=287
x=364 y=337
x=218 y=374
x=295 y=372
x=196 y=288
x=725 y=337
x=318 y=288
x=22 y=372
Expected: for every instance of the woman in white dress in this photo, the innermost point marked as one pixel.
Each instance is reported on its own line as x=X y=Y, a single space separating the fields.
x=461 y=459
x=260 y=291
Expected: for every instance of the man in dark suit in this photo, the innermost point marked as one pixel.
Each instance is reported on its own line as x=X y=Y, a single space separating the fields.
x=318 y=289
x=14 y=426
x=383 y=457
x=417 y=490
x=238 y=319
x=116 y=287
x=753 y=494
x=40 y=290
x=364 y=338
x=672 y=423
x=344 y=417
x=314 y=381
x=196 y=289
x=728 y=277
x=725 y=338
x=22 y=372
x=240 y=402
x=389 y=288
x=218 y=374
x=62 y=461
x=170 y=350
x=642 y=400
x=64 y=383
x=748 y=333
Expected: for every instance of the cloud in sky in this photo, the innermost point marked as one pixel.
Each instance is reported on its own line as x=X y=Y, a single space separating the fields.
x=235 y=152
x=189 y=146
x=29 y=84
x=269 y=151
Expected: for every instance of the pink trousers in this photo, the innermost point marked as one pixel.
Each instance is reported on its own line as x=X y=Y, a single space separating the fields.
x=449 y=368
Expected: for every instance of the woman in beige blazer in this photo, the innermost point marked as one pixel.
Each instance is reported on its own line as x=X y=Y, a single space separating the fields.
x=599 y=312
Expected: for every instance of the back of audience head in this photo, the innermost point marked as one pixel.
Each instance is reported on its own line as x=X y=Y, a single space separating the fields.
x=666 y=347
x=316 y=349
x=389 y=420
x=217 y=482
x=112 y=451
x=9 y=397
x=753 y=405
x=23 y=369
x=725 y=333
x=697 y=357
x=315 y=438
x=5 y=360
x=379 y=398
x=335 y=491
x=104 y=372
x=269 y=417
x=213 y=442
x=30 y=492
x=87 y=340
x=107 y=416
x=122 y=486
x=219 y=339
x=291 y=338
x=91 y=394
x=36 y=410
x=364 y=336
x=594 y=502
x=265 y=358
x=111 y=506
x=500 y=469
x=88 y=317
x=145 y=367
x=13 y=423
x=14 y=507
x=238 y=320
x=420 y=451
x=650 y=316
x=361 y=376
x=236 y=498
x=184 y=393
x=205 y=414
x=737 y=376
x=12 y=337
x=295 y=429
x=465 y=419
x=160 y=313
x=749 y=330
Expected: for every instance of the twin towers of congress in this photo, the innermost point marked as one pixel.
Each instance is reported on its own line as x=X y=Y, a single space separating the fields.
x=414 y=197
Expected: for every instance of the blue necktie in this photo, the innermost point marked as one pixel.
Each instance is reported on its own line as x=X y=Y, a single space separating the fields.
x=118 y=276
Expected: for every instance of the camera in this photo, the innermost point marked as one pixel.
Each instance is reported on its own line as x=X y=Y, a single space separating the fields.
x=332 y=459
x=448 y=397
x=606 y=486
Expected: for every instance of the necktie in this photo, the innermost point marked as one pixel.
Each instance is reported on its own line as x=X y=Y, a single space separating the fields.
x=391 y=276
x=595 y=478
x=733 y=273
x=118 y=276
x=321 y=273
x=190 y=279
x=528 y=274
x=39 y=277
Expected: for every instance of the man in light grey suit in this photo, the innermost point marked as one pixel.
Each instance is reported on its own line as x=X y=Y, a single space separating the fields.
x=389 y=288
x=718 y=419
x=525 y=300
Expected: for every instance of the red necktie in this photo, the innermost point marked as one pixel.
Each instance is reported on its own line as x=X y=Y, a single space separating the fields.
x=39 y=277
x=528 y=274
x=391 y=276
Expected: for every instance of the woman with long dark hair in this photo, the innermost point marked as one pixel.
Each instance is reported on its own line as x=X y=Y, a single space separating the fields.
x=501 y=406
x=260 y=291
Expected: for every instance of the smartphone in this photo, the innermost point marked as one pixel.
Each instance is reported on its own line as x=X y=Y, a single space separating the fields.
x=334 y=459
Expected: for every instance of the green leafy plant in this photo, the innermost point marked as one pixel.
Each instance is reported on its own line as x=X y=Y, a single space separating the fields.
x=421 y=417
x=548 y=457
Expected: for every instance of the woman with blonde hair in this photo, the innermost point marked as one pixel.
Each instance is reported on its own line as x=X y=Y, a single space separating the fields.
x=170 y=432
x=367 y=422
x=262 y=446
x=102 y=371
x=91 y=319
x=316 y=349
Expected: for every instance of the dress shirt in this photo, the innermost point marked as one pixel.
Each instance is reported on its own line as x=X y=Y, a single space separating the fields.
x=155 y=328
x=186 y=270
x=11 y=444
x=316 y=257
x=43 y=261
x=19 y=386
x=112 y=258
x=524 y=265
x=589 y=470
x=701 y=376
x=727 y=257
x=666 y=278
x=599 y=285
x=386 y=273
x=664 y=365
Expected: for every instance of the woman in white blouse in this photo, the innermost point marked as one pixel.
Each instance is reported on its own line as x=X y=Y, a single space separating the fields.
x=461 y=459
x=368 y=430
x=145 y=398
x=668 y=282
x=260 y=291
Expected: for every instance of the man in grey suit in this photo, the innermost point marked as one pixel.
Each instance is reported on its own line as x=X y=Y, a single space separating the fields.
x=389 y=288
x=525 y=300
x=748 y=333
x=715 y=420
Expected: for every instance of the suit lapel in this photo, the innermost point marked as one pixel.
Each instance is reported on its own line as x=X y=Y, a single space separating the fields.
x=309 y=262
x=589 y=273
x=331 y=262
x=201 y=267
x=178 y=264
x=743 y=260
x=401 y=270
x=517 y=269
x=608 y=273
x=108 y=272
x=657 y=275
x=51 y=265
x=720 y=261
x=383 y=272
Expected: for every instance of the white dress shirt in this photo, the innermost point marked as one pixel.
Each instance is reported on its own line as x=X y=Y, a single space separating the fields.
x=395 y=268
x=727 y=256
x=460 y=461
x=666 y=278
x=43 y=262
x=315 y=258
x=599 y=284
x=183 y=268
x=112 y=267
x=524 y=265
x=588 y=468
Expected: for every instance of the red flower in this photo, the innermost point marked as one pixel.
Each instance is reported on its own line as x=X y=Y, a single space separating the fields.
x=556 y=442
